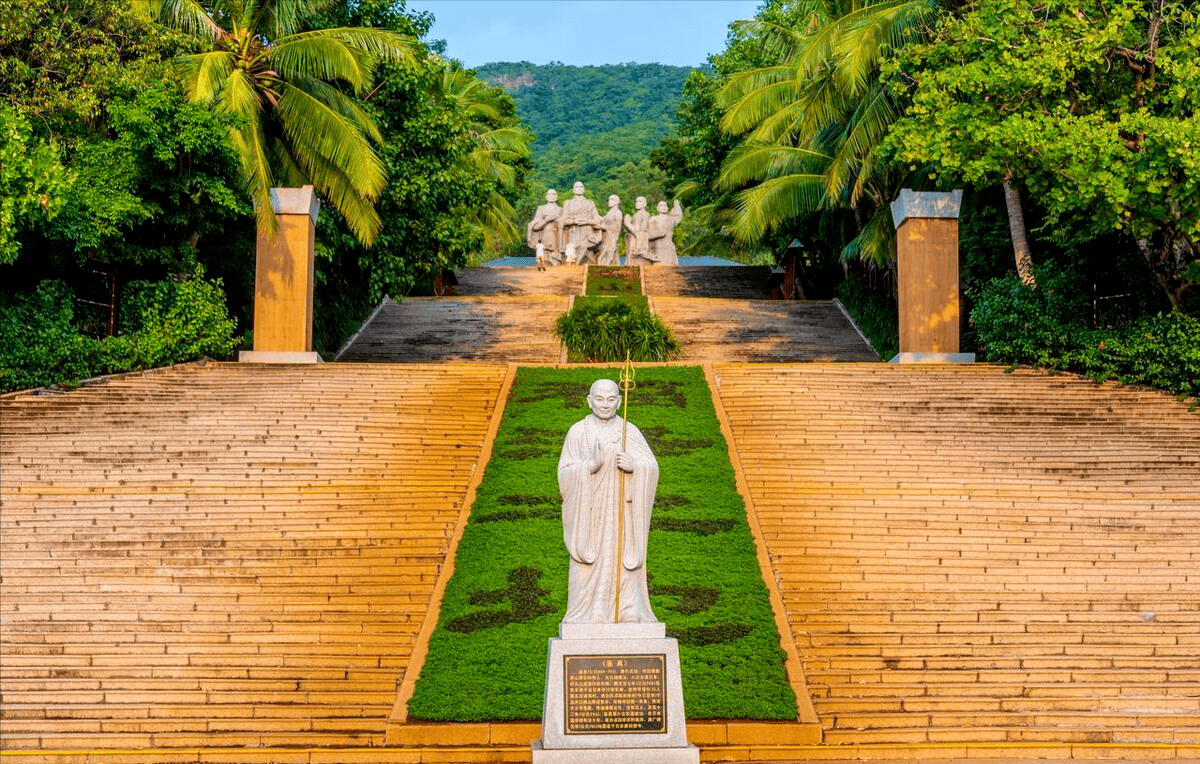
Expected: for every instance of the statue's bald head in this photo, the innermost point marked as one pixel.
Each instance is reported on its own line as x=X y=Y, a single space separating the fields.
x=604 y=398
x=604 y=385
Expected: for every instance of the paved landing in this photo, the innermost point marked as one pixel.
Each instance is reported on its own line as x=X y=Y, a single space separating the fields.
x=518 y=281
x=732 y=282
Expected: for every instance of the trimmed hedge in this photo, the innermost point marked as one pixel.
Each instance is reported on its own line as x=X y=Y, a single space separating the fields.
x=487 y=658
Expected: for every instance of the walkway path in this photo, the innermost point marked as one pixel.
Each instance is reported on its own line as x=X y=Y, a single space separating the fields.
x=228 y=555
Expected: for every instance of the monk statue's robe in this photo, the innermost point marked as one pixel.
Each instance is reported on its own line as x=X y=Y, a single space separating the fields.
x=591 y=502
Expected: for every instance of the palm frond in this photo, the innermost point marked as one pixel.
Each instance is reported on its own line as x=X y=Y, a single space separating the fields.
x=316 y=130
x=868 y=33
x=774 y=202
x=876 y=243
x=338 y=187
x=342 y=103
x=754 y=161
x=321 y=58
x=750 y=99
x=249 y=143
x=239 y=97
x=865 y=128
x=379 y=44
x=204 y=75
x=188 y=16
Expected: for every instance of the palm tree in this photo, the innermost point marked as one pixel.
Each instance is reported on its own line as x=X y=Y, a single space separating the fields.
x=292 y=95
x=813 y=121
x=499 y=146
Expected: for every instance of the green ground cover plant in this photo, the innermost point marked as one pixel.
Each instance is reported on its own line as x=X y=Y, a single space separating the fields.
x=487 y=657
x=601 y=328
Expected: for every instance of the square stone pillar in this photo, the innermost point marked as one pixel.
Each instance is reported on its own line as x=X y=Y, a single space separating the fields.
x=283 y=281
x=927 y=275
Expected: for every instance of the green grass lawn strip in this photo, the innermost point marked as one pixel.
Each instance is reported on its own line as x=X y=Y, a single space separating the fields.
x=487 y=657
x=612 y=280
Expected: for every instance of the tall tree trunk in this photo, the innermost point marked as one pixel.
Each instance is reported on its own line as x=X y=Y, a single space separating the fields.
x=1016 y=227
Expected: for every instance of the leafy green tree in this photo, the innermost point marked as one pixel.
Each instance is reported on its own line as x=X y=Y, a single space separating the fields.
x=455 y=155
x=1088 y=105
x=294 y=96
x=502 y=146
x=32 y=181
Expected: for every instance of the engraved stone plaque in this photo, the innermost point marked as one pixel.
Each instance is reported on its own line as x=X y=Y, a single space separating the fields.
x=614 y=694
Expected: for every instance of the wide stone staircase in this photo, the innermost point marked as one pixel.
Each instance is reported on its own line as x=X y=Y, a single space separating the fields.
x=507 y=315
x=236 y=563
x=229 y=556
x=969 y=557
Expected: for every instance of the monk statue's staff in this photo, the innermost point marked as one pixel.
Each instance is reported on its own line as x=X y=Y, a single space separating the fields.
x=627 y=384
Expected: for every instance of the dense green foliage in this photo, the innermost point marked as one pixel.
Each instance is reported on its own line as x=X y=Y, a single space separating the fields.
x=1089 y=105
x=163 y=323
x=877 y=319
x=293 y=94
x=611 y=329
x=110 y=176
x=1040 y=326
x=1070 y=124
x=596 y=124
x=487 y=658
x=613 y=322
x=589 y=120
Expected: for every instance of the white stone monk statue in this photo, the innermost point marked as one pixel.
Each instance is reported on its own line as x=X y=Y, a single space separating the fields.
x=660 y=233
x=543 y=234
x=580 y=224
x=637 y=246
x=611 y=225
x=598 y=518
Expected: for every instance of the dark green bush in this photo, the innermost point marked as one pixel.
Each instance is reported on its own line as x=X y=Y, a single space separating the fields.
x=161 y=323
x=169 y=322
x=612 y=330
x=878 y=320
x=1016 y=323
x=1041 y=326
x=39 y=344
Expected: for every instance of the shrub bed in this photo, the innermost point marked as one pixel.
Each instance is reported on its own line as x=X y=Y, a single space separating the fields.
x=610 y=329
x=1018 y=324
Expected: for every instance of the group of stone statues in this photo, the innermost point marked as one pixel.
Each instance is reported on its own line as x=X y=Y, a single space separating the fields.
x=576 y=233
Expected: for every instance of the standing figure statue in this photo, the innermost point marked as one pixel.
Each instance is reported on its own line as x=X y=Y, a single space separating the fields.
x=542 y=234
x=581 y=225
x=637 y=246
x=611 y=230
x=608 y=493
x=660 y=233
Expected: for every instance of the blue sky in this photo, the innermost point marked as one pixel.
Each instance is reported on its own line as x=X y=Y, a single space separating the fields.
x=582 y=32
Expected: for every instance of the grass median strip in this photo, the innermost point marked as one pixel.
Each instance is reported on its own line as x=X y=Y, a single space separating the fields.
x=487 y=657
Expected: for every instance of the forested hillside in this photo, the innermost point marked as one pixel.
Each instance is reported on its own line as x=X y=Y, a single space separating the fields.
x=596 y=124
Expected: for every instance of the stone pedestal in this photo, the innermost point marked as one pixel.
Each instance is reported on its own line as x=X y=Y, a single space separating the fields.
x=283 y=281
x=927 y=276
x=613 y=694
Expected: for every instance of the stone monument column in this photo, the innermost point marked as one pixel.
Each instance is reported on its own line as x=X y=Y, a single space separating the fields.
x=927 y=275
x=283 y=281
